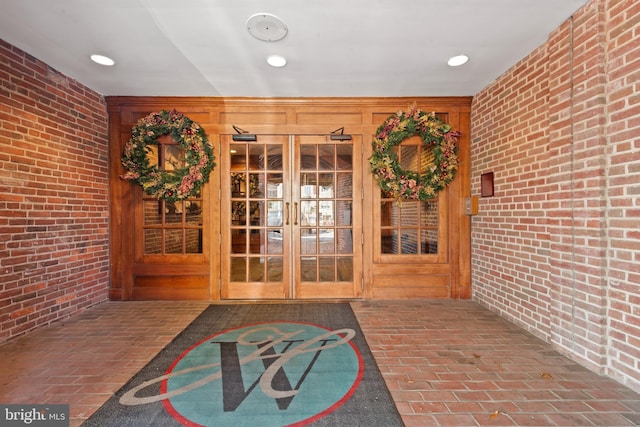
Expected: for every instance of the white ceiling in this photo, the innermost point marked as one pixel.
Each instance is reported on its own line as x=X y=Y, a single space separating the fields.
x=339 y=48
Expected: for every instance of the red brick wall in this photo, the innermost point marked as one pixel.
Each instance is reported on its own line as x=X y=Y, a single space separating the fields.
x=510 y=241
x=53 y=195
x=577 y=178
x=557 y=249
x=623 y=188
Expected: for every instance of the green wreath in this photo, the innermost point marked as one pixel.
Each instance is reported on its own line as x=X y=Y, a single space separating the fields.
x=406 y=184
x=173 y=185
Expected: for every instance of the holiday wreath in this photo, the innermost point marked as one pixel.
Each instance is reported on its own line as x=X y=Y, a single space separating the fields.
x=188 y=175
x=407 y=184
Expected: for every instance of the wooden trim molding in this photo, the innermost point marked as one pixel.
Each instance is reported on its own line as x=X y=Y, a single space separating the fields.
x=446 y=276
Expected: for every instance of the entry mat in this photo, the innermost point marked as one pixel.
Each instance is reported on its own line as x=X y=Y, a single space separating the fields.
x=258 y=365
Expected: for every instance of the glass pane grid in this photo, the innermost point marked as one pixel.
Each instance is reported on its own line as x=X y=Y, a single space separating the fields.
x=326 y=195
x=410 y=228
x=327 y=268
x=324 y=183
x=257 y=212
x=172 y=228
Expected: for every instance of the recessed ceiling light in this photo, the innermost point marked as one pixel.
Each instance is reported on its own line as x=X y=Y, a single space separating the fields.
x=276 y=61
x=458 y=60
x=102 y=60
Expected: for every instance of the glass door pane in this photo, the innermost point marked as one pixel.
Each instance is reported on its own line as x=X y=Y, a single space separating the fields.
x=287 y=209
x=255 y=241
x=329 y=261
x=412 y=227
x=171 y=227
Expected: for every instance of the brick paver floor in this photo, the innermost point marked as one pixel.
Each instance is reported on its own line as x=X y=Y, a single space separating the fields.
x=455 y=363
x=446 y=363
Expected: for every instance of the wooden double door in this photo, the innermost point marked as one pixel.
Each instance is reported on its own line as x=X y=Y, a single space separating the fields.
x=291 y=217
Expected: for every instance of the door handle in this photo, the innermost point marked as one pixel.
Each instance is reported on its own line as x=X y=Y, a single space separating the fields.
x=287 y=213
x=295 y=213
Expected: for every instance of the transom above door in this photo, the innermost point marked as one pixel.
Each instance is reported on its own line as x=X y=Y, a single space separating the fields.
x=291 y=218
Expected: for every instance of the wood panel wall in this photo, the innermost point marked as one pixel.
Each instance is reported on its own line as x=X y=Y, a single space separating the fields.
x=198 y=277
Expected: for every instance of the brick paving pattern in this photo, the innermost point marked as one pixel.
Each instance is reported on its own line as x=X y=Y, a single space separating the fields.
x=446 y=363
x=454 y=363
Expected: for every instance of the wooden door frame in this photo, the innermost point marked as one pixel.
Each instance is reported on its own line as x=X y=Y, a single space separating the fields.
x=358 y=116
x=250 y=291
x=294 y=290
x=342 y=291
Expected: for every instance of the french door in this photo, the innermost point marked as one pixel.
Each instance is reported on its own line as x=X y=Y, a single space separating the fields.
x=291 y=218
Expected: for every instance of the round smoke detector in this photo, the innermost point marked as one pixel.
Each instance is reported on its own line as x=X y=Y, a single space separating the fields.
x=266 y=27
